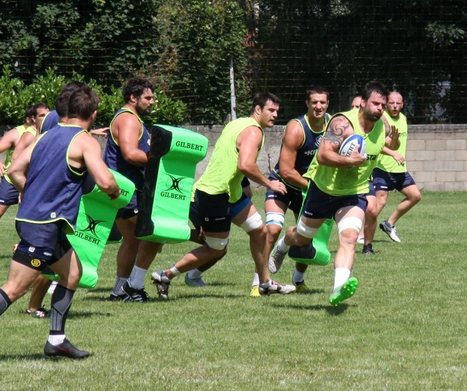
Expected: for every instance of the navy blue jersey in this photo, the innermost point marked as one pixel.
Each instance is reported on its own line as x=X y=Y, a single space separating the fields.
x=53 y=188
x=113 y=155
x=311 y=141
x=51 y=119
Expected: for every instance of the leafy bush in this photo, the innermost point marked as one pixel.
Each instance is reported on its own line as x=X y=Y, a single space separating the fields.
x=15 y=96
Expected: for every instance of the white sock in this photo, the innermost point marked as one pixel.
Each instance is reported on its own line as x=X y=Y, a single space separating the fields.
x=56 y=339
x=194 y=274
x=174 y=271
x=297 y=276
x=255 y=281
x=136 y=279
x=341 y=275
x=282 y=246
x=118 y=285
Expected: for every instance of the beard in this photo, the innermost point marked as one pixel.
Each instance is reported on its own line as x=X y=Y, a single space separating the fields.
x=142 y=111
x=372 y=116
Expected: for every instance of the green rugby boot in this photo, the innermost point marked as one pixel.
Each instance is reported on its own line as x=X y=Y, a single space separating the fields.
x=347 y=290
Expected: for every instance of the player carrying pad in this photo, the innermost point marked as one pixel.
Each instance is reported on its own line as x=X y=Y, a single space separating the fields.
x=317 y=252
x=168 y=184
x=95 y=219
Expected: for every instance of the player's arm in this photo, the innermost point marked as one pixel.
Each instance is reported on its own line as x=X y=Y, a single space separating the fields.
x=394 y=154
x=100 y=132
x=87 y=149
x=129 y=129
x=19 y=167
x=328 y=152
x=25 y=141
x=248 y=145
x=8 y=140
x=392 y=135
x=291 y=143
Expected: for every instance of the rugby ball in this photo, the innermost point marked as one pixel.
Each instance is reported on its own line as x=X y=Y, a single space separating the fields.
x=352 y=142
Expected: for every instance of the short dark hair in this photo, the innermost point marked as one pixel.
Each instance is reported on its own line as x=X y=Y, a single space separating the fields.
x=82 y=103
x=61 y=103
x=374 y=86
x=30 y=111
x=40 y=105
x=316 y=89
x=260 y=99
x=135 y=86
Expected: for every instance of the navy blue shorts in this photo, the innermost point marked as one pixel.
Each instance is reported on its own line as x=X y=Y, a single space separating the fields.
x=41 y=244
x=211 y=212
x=131 y=209
x=238 y=206
x=372 y=191
x=293 y=199
x=8 y=193
x=320 y=205
x=387 y=181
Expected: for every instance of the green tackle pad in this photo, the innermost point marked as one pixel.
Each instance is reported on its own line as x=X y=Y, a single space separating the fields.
x=95 y=219
x=168 y=185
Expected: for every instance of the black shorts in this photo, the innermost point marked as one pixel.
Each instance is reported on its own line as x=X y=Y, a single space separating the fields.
x=211 y=212
x=293 y=199
x=131 y=209
x=41 y=244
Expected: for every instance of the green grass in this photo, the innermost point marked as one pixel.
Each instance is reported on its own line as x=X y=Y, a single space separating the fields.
x=405 y=328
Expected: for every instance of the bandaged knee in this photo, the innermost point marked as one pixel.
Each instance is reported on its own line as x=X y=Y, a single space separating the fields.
x=275 y=218
x=252 y=222
x=305 y=230
x=354 y=223
x=216 y=243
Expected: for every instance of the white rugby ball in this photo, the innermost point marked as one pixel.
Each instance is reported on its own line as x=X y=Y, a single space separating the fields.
x=352 y=142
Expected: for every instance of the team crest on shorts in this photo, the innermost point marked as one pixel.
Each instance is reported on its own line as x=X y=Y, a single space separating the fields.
x=36 y=262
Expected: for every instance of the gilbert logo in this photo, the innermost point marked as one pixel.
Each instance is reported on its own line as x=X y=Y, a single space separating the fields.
x=174 y=191
x=175 y=184
x=92 y=224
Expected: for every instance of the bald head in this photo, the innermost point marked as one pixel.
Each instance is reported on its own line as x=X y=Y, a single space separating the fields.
x=395 y=104
x=356 y=102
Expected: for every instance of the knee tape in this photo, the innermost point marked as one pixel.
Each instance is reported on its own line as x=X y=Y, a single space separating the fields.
x=350 y=223
x=216 y=243
x=252 y=222
x=275 y=218
x=305 y=230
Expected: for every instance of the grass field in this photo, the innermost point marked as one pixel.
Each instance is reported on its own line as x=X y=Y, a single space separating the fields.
x=405 y=328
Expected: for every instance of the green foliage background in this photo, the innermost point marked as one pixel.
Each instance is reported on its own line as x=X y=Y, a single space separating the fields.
x=15 y=96
x=183 y=46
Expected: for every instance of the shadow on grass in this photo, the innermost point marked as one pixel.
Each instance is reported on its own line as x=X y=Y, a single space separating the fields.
x=331 y=310
x=310 y=292
x=103 y=289
x=178 y=296
x=22 y=357
x=206 y=296
x=87 y=314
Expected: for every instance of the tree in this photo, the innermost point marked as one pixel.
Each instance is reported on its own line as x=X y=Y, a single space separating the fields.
x=197 y=41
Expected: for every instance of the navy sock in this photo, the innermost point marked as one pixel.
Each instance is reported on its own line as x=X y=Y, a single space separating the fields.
x=61 y=303
x=5 y=301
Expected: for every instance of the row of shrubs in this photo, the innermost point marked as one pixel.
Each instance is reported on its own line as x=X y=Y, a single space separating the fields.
x=16 y=96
